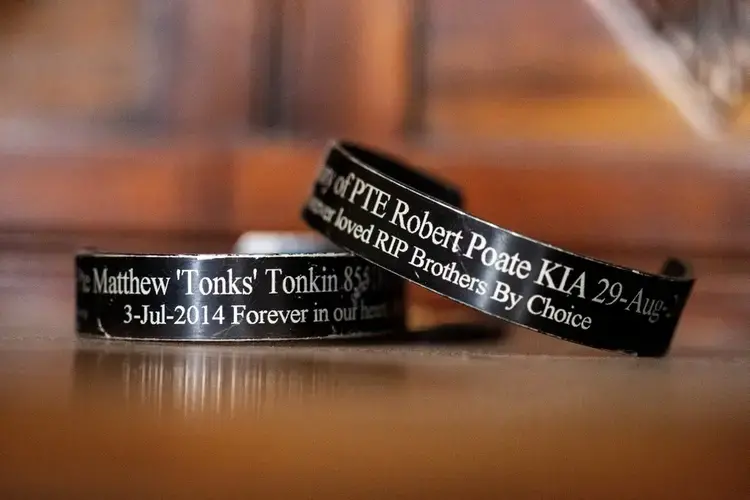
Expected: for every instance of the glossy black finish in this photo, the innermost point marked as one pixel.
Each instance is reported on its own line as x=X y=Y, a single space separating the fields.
x=235 y=297
x=377 y=208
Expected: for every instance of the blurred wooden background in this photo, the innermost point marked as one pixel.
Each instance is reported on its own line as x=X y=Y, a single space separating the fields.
x=175 y=125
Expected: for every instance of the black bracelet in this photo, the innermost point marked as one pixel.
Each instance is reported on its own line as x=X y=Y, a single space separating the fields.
x=373 y=205
x=235 y=297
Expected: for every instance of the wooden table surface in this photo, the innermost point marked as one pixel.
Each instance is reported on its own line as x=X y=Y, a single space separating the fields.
x=516 y=415
x=88 y=418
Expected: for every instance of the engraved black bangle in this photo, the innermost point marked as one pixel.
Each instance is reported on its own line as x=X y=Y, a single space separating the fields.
x=235 y=297
x=363 y=202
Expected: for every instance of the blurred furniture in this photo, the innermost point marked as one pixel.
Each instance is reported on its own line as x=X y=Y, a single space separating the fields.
x=176 y=125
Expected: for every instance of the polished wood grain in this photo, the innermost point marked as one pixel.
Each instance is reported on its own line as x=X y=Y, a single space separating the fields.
x=512 y=420
x=512 y=414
